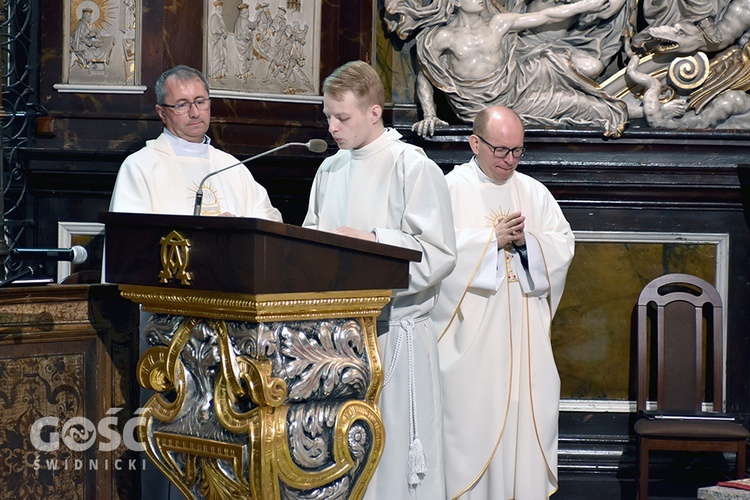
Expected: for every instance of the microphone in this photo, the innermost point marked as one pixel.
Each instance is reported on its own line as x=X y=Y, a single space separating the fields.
x=76 y=254
x=314 y=145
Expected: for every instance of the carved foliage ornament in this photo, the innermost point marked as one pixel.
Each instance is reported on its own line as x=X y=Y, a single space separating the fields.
x=255 y=410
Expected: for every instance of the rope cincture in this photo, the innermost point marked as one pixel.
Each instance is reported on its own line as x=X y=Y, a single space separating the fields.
x=417 y=463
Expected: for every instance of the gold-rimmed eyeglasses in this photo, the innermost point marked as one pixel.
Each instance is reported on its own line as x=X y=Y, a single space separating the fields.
x=501 y=151
x=183 y=107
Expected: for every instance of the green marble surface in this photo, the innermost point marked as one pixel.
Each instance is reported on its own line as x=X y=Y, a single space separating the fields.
x=593 y=330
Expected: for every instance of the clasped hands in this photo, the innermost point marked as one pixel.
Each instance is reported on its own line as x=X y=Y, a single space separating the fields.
x=509 y=230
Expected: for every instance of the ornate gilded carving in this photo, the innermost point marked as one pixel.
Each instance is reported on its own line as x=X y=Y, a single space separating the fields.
x=271 y=307
x=277 y=409
x=175 y=257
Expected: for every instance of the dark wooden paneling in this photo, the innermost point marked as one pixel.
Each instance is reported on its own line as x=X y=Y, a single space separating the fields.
x=68 y=351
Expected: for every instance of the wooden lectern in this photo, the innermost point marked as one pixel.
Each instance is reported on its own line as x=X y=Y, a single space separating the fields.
x=263 y=356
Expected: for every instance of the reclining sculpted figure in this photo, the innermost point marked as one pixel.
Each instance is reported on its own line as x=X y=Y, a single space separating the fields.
x=471 y=51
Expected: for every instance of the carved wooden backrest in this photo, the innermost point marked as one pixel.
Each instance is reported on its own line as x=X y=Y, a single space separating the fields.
x=680 y=345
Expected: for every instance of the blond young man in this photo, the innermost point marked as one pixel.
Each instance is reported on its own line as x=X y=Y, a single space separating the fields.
x=380 y=188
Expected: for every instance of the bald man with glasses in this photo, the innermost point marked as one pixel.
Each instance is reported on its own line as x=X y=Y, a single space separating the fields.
x=164 y=175
x=501 y=388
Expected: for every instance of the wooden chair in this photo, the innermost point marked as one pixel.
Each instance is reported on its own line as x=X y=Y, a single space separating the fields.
x=680 y=326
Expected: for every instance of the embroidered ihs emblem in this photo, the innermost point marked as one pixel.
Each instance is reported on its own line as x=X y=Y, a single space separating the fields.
x=211 y=203
x=494 y=217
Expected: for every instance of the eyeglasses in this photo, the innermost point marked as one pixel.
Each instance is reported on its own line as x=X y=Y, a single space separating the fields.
x=183 y=107
x=502 y=152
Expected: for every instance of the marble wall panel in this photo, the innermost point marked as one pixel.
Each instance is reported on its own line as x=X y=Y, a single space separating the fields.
x=593 y=331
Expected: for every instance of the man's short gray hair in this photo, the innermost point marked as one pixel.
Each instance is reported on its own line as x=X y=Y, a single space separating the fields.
x=181 y=72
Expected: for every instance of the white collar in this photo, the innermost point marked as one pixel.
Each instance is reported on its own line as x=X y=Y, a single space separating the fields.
x=182 y=147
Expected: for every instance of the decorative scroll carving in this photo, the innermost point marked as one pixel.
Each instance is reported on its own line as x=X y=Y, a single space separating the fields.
x=281 y=409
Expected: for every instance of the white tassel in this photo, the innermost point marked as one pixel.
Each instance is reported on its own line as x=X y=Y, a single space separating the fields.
x=417 y=465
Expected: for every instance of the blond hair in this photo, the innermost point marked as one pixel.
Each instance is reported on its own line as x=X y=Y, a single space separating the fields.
x=360 y=79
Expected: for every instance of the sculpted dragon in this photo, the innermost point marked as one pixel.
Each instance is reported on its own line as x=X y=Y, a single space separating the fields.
x=713 y=95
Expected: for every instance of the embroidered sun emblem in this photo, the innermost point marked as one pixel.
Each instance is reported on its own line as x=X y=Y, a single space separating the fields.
x=211 y=204
x=494 y=217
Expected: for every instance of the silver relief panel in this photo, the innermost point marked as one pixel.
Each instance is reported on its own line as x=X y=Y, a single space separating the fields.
x=101 y=46
x=266 y=50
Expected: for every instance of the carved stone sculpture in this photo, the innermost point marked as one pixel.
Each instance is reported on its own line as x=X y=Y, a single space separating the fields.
x=218 y=42
x=584 y=64
x=477 y=58
x=90 y=48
